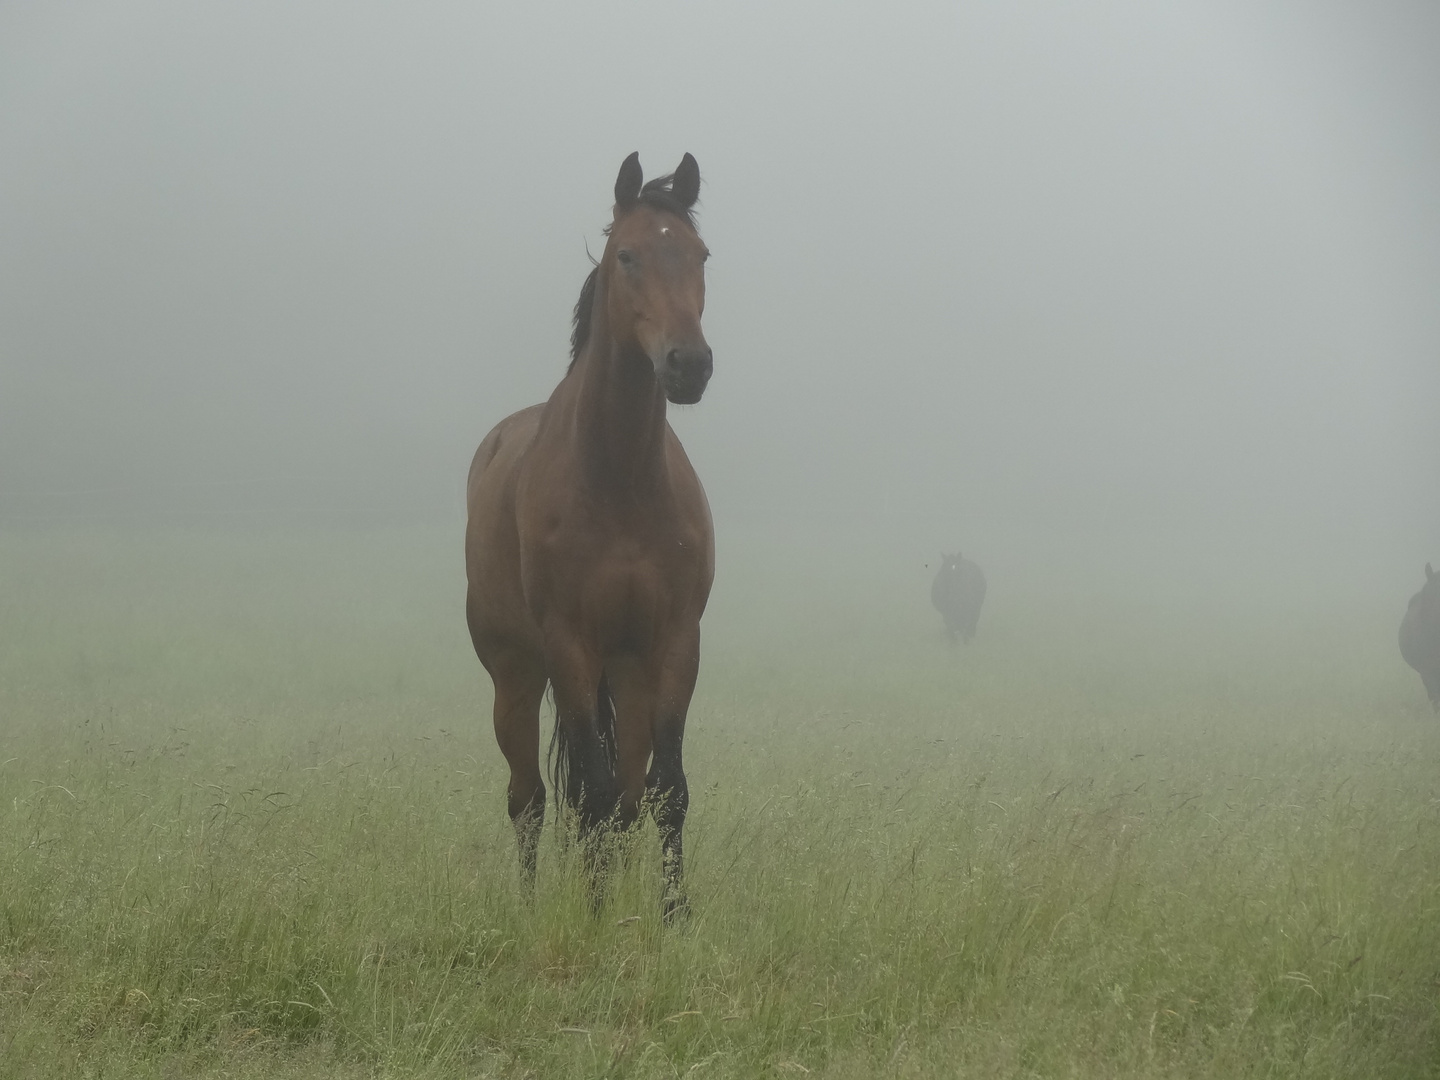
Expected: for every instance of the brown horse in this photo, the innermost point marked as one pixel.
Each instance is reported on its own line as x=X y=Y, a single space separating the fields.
x=589 y=549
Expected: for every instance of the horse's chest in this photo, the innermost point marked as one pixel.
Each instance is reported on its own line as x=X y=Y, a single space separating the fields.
x=619 y=589
x=626 y=600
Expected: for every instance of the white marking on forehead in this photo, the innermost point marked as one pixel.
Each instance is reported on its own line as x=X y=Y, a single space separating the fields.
x=664 y=230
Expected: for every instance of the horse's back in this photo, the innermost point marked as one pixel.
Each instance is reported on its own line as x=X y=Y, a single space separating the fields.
x=500 y=451
x=1420 y=643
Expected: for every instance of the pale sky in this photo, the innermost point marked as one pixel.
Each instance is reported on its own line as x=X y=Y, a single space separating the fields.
x=1124 y=263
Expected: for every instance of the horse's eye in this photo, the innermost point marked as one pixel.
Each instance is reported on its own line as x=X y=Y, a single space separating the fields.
x=705 y=257
x=626 y=259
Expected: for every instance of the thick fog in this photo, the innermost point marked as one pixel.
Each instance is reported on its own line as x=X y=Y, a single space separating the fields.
x=979 y=269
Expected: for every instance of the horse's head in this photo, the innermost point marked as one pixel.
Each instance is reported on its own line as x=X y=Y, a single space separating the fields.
x=654 y=264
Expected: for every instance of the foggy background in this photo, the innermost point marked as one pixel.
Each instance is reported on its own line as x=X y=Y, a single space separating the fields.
x=989 y=276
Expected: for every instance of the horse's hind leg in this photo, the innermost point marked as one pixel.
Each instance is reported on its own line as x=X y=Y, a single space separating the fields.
x=519 y=687
x=584 y=769
x=635 y=688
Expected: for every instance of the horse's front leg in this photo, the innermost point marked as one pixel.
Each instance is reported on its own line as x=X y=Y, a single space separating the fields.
x=519 y=688
x=518 y=672
x=670 y=795
x=671 y=803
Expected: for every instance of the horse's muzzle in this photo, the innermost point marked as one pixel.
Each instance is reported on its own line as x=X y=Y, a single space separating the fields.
x=686 y=373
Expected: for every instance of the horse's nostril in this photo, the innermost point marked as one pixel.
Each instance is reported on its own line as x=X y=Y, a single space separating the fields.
x=688 y=361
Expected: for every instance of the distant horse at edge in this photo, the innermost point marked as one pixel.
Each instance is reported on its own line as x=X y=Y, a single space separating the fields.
x=1420 y=635
x=957 y=593
x=589 y=549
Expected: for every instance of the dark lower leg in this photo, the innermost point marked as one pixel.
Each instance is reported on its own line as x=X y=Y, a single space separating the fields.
x=671 y=798
x=527 y=814
x=519 y=685
x=592 y=792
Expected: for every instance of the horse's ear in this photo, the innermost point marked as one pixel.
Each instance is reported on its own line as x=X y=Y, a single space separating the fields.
x=627 y=184
x=686 y=185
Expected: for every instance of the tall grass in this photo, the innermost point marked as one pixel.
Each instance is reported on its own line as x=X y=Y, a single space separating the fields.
x=252 y=824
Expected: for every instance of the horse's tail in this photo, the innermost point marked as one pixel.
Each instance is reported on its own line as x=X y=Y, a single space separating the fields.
x=563 y=759
x=605 y=722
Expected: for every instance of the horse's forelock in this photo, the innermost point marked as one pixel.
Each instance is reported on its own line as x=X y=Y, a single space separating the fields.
x=660 y=195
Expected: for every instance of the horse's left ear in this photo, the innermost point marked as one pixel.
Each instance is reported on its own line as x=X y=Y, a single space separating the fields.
x=627 y=184
x=686 y=185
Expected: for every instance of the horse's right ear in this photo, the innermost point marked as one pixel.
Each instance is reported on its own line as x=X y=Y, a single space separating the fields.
x=627 y=184
x=686 y=185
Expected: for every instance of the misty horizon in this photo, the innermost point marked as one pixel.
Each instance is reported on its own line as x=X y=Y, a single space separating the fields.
x=1126 y=269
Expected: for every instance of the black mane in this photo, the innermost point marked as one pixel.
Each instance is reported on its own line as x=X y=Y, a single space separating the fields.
x=580 y=321
x=658 y=194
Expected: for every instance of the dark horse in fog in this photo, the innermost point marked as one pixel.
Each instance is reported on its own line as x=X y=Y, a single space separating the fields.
x=957 y=593
x=589 y=550
x=1420 y=635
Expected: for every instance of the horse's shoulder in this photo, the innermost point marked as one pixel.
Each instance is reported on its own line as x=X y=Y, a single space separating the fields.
x=518 y=426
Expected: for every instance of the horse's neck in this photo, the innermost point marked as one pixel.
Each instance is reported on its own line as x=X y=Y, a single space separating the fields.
x=619 y=415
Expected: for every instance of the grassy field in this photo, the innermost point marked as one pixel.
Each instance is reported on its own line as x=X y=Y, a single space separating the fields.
x=252 y=825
